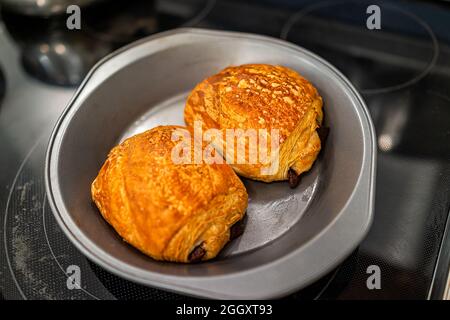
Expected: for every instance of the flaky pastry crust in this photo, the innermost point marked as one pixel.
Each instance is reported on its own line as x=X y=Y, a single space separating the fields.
x=166 y=210
x=261 y=96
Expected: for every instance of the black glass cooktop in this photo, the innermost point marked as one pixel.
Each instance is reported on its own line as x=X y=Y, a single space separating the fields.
x=402 y=70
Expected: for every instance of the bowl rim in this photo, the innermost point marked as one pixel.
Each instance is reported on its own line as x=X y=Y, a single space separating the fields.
x=234 y=285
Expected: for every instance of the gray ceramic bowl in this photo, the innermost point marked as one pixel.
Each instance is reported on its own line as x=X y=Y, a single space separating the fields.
x=292 y=237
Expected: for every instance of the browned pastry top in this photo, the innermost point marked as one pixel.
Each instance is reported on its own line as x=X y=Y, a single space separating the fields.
x=165 y=209
x=261 y=96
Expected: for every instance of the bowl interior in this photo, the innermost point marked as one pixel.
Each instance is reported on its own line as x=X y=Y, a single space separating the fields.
x=143 y=87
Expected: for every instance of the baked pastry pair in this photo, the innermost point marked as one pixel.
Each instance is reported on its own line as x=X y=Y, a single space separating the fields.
x=185 y=212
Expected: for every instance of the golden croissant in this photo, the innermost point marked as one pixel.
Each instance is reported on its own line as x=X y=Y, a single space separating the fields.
x=260 y=96
x=173 y=212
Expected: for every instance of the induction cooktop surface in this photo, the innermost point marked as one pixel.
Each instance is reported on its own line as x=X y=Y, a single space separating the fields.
x=402 y=70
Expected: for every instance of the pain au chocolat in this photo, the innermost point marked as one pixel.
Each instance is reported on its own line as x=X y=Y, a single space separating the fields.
x=261 y=96
x=181 y=212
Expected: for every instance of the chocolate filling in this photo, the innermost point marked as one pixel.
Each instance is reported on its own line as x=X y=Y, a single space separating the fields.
x=237 y=229
x=323 y=134
x=294 y=178
x=197 y=254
